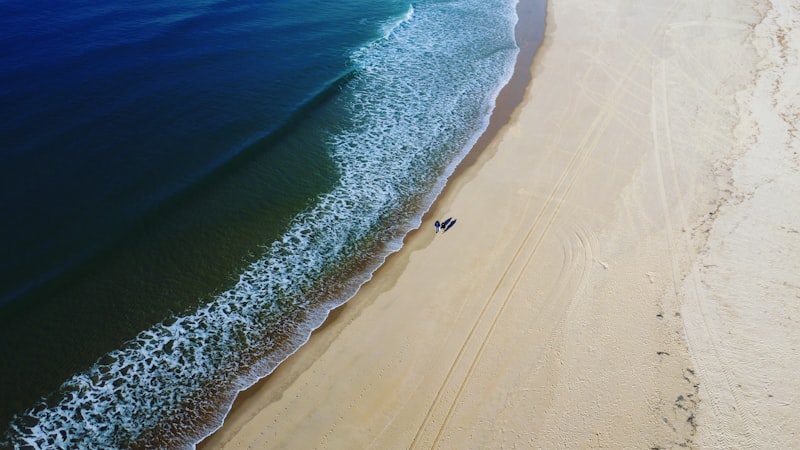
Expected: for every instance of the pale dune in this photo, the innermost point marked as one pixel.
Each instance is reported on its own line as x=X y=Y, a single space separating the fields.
x=624 y=272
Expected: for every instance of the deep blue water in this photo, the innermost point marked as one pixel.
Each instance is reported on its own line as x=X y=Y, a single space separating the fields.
x=189 y=187
x=111 y=108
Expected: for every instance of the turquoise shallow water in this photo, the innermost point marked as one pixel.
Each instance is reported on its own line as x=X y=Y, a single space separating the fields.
x=214 y=180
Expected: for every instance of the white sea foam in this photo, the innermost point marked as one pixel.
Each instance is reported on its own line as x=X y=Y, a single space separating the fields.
x=421 y=97
x=390 y=26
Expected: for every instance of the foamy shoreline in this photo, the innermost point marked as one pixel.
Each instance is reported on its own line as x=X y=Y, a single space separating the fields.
x=598 y=288
x=529 y=33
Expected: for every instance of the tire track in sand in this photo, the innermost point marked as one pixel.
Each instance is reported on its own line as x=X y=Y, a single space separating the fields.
x=722 y=371
x=554 y=201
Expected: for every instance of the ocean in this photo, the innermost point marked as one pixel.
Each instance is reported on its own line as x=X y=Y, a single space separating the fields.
x=188 y=188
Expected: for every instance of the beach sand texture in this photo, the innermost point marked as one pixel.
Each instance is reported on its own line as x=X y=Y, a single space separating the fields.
x=624 y=271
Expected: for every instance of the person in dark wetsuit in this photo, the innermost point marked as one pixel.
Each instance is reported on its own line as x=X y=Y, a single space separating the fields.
x=437 y=225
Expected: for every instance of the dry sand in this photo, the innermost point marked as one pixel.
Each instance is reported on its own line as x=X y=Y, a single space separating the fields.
x=624 y=272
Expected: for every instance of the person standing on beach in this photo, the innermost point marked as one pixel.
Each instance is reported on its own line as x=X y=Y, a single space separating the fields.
x=437 y=225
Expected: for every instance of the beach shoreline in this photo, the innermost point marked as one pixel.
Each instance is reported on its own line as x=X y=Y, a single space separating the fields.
x=583 y=299
x=529 y=34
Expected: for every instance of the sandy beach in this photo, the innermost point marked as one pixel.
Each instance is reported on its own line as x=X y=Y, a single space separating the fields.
x=624 y=271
